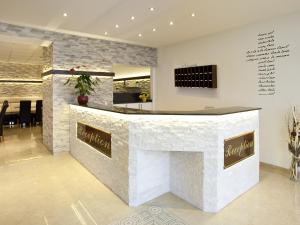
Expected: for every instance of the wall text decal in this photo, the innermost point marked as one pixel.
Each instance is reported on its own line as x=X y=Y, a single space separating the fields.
x=266 y=55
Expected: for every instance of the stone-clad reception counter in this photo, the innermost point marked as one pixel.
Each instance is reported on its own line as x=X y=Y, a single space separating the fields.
x=148 y=153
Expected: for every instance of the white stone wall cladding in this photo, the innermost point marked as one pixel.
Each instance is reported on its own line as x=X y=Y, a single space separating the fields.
x=48 y=112
x=182 y=134
x=186 y=170
x=16 y=71
x=64 y=95
x=70 y=50
x=200 y=134
x=149 y=175
x=103 y=94
x=113 y=172
x=247 y=172
x=181 y=154
x=173 y=133
x=20 y=90
x=48 y=58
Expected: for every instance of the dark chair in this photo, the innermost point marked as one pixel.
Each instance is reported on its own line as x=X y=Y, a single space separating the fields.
x=2 y=114
x=38 y=117
x=25 y=113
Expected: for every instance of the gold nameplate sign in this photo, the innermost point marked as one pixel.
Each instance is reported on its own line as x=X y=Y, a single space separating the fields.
x=238 y=148
x=96 y=138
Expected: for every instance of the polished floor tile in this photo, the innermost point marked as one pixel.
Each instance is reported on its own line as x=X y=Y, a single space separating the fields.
x=21 y=144
x=37 y=188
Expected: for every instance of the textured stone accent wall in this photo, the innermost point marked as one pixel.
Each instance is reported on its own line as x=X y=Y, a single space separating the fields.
x=15 y=71
x=149 y=174
x=187 y=187
x=12 y=90
x=63 y=96
x=48 y=58
x=113 y=172
x=10 y=71
x=70 y=50
x=196 y=135
x=156 y=154
x=143 y=84
x=48 y=111
x=103 y=94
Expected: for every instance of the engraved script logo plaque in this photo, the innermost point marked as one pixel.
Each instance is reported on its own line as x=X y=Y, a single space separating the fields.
x=96 y=138
x=238 y=148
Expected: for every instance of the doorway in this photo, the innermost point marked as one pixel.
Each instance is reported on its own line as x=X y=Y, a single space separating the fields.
x=133 y=87
x=22 y=61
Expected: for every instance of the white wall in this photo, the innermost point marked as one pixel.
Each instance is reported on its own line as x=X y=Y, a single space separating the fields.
x=237 y=79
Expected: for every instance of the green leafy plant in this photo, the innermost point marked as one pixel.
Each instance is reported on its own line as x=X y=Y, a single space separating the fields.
x=84 y=84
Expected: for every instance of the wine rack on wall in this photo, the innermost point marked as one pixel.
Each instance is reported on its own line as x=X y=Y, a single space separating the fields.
x=199 y=76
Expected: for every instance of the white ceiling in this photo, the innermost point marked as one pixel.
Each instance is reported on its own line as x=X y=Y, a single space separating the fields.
x=21 y=50
x=97 y=16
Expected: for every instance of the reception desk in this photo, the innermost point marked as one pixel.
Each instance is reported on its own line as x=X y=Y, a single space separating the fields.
x=208 y=157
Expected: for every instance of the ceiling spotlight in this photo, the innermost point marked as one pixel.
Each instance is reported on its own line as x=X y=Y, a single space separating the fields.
x=140 y=35
x=152 y=9
x=65 y=14
x=105 y=33
x=171 y=23
x=132 y=18
x=193 y=14
x=117 y=26
x=154 y=29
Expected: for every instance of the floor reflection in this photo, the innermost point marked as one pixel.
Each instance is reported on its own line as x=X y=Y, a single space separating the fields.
x=37 y=188
x=21 y=144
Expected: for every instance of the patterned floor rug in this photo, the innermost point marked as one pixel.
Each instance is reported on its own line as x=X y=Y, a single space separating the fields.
x=151 y=216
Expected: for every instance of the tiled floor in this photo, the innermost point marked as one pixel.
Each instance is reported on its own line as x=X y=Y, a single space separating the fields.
x=21 y=145
x=37 y=188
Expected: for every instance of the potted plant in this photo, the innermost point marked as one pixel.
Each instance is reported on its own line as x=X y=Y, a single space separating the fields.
x=83 y=83
x=144 y=96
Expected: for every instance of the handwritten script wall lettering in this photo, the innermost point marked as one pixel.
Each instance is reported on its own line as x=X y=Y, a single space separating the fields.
x=238 y=148
x=266 y=56
x=96 y=138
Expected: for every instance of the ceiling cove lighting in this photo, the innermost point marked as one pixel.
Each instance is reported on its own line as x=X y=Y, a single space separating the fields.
x=171 y=23
x=65 y=14
x=117 y=26
x=132 y=18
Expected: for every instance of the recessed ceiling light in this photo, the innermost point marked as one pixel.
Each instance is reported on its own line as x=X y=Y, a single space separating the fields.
x=132 y=18
x=151 y=9
x=65 y=14
x=171 y=23
x=154 y=29
x=140 y=35
x=105 y=33
x=117 y=26
x=193 y=14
